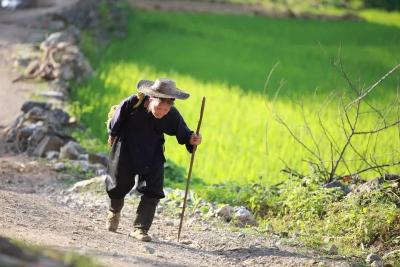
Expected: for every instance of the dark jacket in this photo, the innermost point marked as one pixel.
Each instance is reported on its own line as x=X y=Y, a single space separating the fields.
x=142 y=135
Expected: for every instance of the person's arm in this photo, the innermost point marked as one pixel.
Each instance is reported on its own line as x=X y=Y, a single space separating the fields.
x=179 y=128
x=122 y=111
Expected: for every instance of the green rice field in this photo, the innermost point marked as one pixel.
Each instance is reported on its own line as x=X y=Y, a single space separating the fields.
x=227 y=59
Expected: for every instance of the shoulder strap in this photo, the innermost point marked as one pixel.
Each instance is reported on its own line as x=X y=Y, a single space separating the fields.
x=140 y=97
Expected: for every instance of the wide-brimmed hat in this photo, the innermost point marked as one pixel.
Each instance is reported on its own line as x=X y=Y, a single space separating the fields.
x=163 y=88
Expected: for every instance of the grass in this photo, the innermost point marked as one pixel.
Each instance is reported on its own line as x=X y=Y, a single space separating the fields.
x=227 y=59
x=381 y=17
x=72 y=259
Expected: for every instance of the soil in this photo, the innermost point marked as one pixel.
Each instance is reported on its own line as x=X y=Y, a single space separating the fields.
x=37 y=208
x=200 y=6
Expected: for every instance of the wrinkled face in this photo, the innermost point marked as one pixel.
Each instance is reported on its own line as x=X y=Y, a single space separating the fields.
x=159 y=108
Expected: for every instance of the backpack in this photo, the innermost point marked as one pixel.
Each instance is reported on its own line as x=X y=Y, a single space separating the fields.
x=140 y=97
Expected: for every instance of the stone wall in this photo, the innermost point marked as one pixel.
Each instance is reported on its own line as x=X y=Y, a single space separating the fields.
x=41 y=130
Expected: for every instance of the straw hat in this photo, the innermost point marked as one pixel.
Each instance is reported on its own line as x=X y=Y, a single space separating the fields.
x=162 y=88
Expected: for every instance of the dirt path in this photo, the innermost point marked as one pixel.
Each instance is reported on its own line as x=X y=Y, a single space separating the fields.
x=17 y=31
x=200 y=6
x=36 y=207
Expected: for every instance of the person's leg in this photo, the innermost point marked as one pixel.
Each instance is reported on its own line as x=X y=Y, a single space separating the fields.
x=152 y=193
x=114 y=214
x=144 y=218
x=118 y=183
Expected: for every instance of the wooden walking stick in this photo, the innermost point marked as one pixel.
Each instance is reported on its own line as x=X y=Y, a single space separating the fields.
x=203 y=103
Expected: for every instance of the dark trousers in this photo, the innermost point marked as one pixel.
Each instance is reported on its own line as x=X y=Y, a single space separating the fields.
x=124 y=180
x=121 y=180
x=121 y=176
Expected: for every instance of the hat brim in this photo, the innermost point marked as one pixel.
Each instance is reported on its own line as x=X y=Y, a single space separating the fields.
x=144 y=86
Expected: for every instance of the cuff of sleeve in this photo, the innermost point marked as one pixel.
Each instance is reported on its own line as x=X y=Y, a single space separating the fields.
x=189 y=147
x=112 y=134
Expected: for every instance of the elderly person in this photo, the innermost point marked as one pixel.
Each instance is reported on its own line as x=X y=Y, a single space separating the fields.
x=136 y=134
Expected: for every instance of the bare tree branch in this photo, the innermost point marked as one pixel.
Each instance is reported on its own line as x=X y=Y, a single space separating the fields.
x=378 y=166
x=351 y=115
x=368 y=90
x=314 y=141
x=349 y=136
x=378 y=130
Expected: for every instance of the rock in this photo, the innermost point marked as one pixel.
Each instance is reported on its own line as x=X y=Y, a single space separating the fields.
x=48 y=143
x=377 y=264
x=36 y=37
x=59 y=116
x=99 y=170
x=60 y=86
x=83 y=157
x=50 y=155
x=36 y=114
x=372 y=257
x=333 y=250
x=34 y=139
x=26 y=132
x=85 y=185
x=67 y=58
x=56 y=38
x=74 y=31
x=86 y=68
x=169 y=223
x=72 y=50
x=369 y=186
x=71 y=150
x=338 y=184
x=53 y=94
x=67 y=73
x=81 y=165
x=28 y=105
x=56 y=25
x=160 y=209
x=391 y=177
x=59 y=166
x=149 y=249
x=98 y=158
x=244 y=216
x=241 y=235
x=225 y=212
x=326 y=240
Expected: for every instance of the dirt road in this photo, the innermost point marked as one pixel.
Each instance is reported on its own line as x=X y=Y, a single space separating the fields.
x=17 y=31
x=36 y=207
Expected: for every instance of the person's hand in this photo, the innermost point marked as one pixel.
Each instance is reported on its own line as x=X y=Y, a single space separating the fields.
x=111 y=140
x=195 y=139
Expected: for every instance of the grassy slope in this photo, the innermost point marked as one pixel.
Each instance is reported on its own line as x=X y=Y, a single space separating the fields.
x=227 y=58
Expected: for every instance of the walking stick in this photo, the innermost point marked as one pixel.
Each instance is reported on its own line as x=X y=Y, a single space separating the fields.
x=190 y=167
